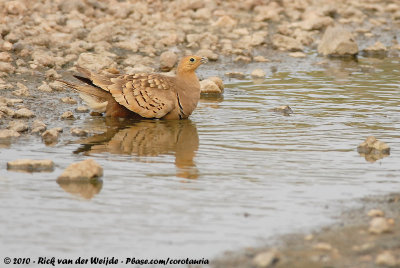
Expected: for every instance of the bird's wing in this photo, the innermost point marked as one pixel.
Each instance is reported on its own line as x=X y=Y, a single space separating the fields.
x=149 y=95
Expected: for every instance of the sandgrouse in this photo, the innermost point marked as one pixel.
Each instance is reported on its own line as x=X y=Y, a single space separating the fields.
x=143 y=95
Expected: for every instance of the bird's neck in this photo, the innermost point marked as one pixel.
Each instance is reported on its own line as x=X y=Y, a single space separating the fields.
x=188 y=91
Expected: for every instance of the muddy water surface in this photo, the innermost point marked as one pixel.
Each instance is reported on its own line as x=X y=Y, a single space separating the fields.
x=232 y=176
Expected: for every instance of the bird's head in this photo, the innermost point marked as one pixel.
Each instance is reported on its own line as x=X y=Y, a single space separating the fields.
x=189 y=64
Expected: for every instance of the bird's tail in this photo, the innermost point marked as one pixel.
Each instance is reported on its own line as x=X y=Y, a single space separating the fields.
x=96 y=98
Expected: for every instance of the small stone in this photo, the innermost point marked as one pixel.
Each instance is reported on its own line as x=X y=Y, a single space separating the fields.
x=373 y=146
x=30 y=165
x=79 y=132
x=381 y=147
x=237 y=75
x=38 y=126
x=386 y=258
x=266 y=259
x=309 y=237
x=337 y=41
x=5 y=86
x=242 y=58
x=286 y=43
x=260 y=59
x=285 y=110
x=12 y=102
x=45 y=87
x=84 y=171
x=168 y=59
x=69 y=100
x=21 y=91
x=7 y=111
x=57 y=86
x=50 y=136
x=52 y=74
x=18 y=126
x=95 y=62
x=82 y=109
x=377 y=49
x=7 y=67
x=297 y=55
x=5 y=56
x=258 y=73
x=218 y=81
x=376 y=213
x=15 y=7
x=379 y=225
x=225 y=22
x=67 y=115
x=23 y=113
x=8 y=133
x=208 y=86
x=323 y=246
x=209 y=54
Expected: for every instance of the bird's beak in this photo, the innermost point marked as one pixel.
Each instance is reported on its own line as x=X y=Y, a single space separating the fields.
x=204 y=60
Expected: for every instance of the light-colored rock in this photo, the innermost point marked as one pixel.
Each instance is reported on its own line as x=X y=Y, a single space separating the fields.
x=15 y=7
x=237 y=75
x=373 y=146
x=52 y=74
x=379 y=225
x=79 y=132
x=266 y=259
x=225 y=22
x=297 y=54
x=209 y=54
x=258 y=73
x=18 y=126
x=95 y=62
x=82 y=109
x=260 y=59
x=378 y=49
x=286 y=43
x=337 y=41
x=69 y=100
x=85 y=171
x=67 y=115
x=314 y=21
x=45 y=87
x=7 y=67
x=268 y=12
x=218 y=81
x=30 y=165
x=323 y=246
x=56 y=85
x=23 y=113
x=376 y=213
x=387 y=259
x=38 y=126
x=242 y=58
x=208 y=86
x=5 y=56
x=8 y=133
x=168 y=59
x=21 y=91
x=7 y=111
x=101 y=32
x=285 y=110
x=50 y=136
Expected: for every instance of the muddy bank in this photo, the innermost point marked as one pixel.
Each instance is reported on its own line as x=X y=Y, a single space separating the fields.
x=365 y=237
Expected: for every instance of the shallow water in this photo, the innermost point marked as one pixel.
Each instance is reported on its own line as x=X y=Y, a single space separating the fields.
x=232 y=176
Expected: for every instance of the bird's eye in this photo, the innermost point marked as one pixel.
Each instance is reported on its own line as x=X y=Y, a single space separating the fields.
x=192 y=60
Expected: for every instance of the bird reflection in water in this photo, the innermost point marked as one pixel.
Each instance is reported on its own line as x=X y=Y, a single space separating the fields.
x=148 y=138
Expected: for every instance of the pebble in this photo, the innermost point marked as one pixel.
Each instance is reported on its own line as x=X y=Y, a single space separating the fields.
x=82 y=109
x=337 y=41
x=218 y=81
x=7 y=67
x=5 y=56
x=50 y=136
x=85 y=171
x=387 y=259
x=286 y=43
x=57 y=86
x=21 y=91
x=45 y=87
x=69 y=100
x=323 y=246
x=260 y=59
x=237 y=75
x=209 y=54
x=168 y=59
x=30 y=165
x=208 y=86
x=23 y=113
x=38 y=126
x=266 y=259
x=373 y=146
x=285 y=110
x=67 y=115
x=379 y=225
x=297 y=55
x=377 y=49
x=18 y=126
x=258 y=73
x=8 y=133
x=7 y=111
x=79 y=132
x=376 y=213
